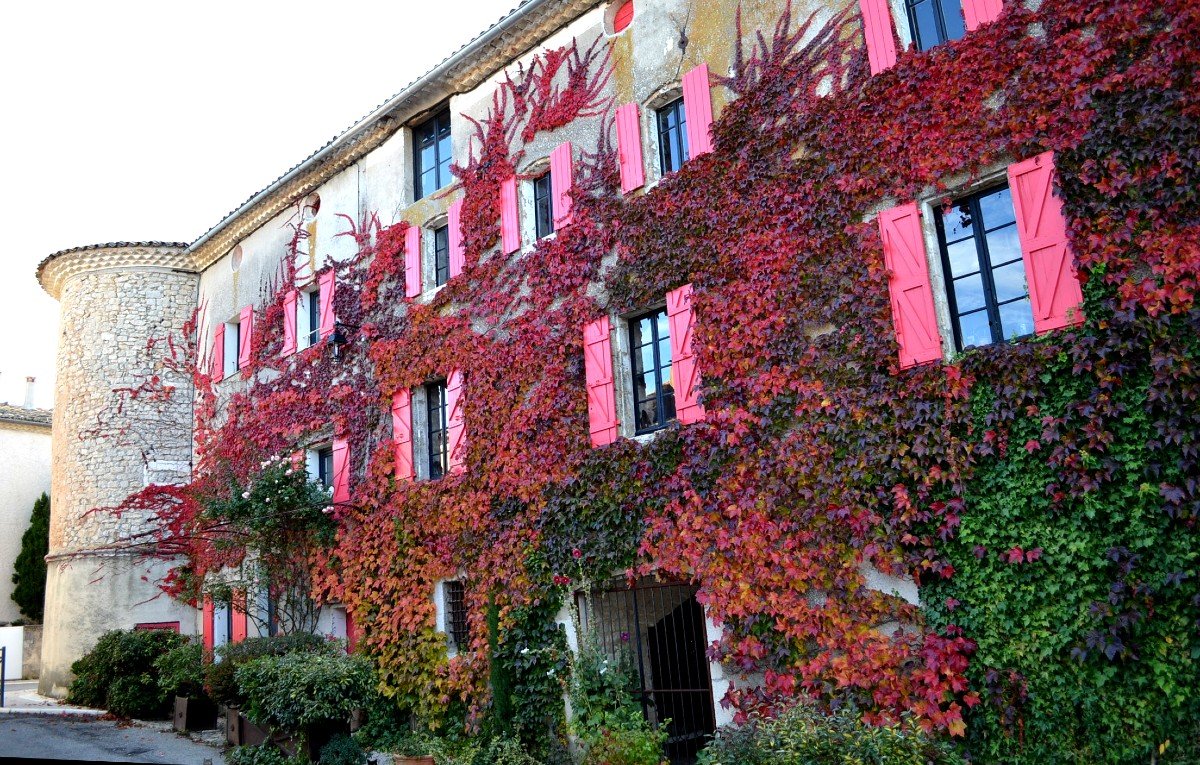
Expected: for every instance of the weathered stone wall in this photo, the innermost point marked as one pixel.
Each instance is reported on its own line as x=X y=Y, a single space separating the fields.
x=122 y=420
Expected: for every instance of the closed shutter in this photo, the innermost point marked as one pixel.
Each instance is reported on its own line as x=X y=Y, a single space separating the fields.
x=289 y=322
x=341 y=471
x=908 y=284
x=510 y=223
x=239 y=627
x=327 y=284
x=697 y=107
x=686 y=380
x=877 y=28
x=629 y=148
x=218 y=354
x=561 y=181
x=207 y=629
x=402 y=434
x=977 y=12
x=598 y=371
x=245 y=336
x=1054 y=291
x=412 y=261
x=456 y=427
x=454 y=222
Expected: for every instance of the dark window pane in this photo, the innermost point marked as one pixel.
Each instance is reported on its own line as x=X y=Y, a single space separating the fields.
x=543 y=208
x=441 y=255
x=952 y=19
x=314 y=317
x=432 y=150
x=1016 y=319
x=968 y=293
x=650 y=345
x=457 y=625
x=672 y=137
x=435 y=399
x=974 y=329
x=925 y=29
x=325 y=467
x=1009 y=282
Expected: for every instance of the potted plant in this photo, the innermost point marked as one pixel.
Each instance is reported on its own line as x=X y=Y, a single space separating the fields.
x=181 y=675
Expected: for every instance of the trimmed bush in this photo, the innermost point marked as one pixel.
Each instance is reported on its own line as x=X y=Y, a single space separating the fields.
x=29 y=569
x=804 y=734
x=297 y=690
x=219 y=677
x=119 y=673
x=181 y=671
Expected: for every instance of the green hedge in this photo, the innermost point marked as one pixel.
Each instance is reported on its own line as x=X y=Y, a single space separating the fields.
x=120 y=673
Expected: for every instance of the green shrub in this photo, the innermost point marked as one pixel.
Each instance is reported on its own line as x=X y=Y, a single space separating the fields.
x=804 y=734
x=120 y=673
x=181 y=670
x=265 y=754
x=296 y=690
x=219 y=677
x=29 y=568
x=342 y=750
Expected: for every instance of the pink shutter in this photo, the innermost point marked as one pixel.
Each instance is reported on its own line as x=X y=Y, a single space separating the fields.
x=686 y=377
x=412 y=261
x=561 y=181
x=245 y=336
x=207 y=630
x=402 y=434
x=341 y=471
x=289 y=322
x=240 y=627
x=908 y=283
x=456 y=429
x=327 y=284
x=1054 y=291
x=977 y=12
x=510 y=224
x=454 y=222
x=877 y=28
x=218 y=354
x=697 y=108
x=629 y=148
x=601 y=393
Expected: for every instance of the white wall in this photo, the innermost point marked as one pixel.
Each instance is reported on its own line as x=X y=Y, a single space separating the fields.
x=13 y=641
x=24 y=475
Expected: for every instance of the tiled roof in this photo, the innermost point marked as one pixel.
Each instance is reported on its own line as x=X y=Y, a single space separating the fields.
x=22 y=416
x=108 y=245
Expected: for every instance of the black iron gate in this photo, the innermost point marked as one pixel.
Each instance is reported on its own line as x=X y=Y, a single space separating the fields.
x=661 y=628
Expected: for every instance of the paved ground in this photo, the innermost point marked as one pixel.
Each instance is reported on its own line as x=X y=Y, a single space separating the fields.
x=70 y=737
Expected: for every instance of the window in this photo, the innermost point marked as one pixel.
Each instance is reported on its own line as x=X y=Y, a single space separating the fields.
x=431 y=154
x=233 y=345
x=934 y=22
x=650 y=354
x=308 y=318
x=543 y=206
x=441 y=255
x=457 y=626
x=984 y=270
x=435 y=408
x=672 y=137
x=325 y=466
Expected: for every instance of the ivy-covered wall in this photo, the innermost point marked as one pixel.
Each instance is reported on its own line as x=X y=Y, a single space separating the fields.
x=1042 y=491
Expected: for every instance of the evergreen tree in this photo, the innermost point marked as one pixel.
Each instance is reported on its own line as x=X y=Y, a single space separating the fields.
x=29 y=569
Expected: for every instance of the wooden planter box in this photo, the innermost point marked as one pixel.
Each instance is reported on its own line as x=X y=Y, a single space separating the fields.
x=403 y=759
x=239 y=731
x=194 y=713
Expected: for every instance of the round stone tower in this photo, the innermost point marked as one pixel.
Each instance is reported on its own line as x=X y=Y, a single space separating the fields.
x=116 y=430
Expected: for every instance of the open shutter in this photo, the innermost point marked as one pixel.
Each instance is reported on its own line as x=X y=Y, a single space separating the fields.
x=289 y=322
x=341 y=471
x=681 y=320
x=218 y=354
x=877 y=28
x=207 y=630
x=977 y=12
x=327 y=284
x=561 y=181
x=239 y=627
x=629 y=148
x=351 y=632
x=454 y=222
x=1054 y=291
x=245 y=336
x=456 y=430
x=908 y=283
x=697 y=107
x=402 y=434
x=510 y=224
x=412 y=261
x=601 y=393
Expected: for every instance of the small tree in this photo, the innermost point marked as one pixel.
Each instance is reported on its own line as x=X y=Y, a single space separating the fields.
x=29 y=569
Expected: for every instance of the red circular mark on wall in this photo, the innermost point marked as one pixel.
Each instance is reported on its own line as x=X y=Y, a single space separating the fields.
x=623 y=17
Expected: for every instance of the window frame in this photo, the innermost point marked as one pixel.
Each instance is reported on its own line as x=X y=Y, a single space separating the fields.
x=441 y=140
x=435 y=402
x=456 y=623
x=232 y=349
x=440 y=254
x=323 y=458
x=308 y=317
x=939 y=19
x=543 y=206
x=662 y=419
x=663 y=132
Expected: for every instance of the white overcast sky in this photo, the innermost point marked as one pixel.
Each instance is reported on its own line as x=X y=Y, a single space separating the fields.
x=126 y=121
